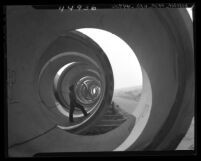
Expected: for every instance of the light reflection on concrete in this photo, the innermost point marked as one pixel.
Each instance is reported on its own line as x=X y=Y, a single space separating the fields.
x=187 y=142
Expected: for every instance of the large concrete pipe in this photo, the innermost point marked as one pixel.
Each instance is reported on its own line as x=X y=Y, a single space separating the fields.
x=163 y=43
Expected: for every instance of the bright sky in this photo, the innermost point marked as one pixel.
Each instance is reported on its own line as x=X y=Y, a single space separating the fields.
x=190 y=13
x=126 y=68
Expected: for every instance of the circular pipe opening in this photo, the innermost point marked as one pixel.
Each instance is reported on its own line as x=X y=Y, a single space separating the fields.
x=132 y=89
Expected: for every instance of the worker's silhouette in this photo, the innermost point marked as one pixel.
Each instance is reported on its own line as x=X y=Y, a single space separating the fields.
x=74 y=103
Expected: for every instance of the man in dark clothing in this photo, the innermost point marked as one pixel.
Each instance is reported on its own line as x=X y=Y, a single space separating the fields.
x=74 y=103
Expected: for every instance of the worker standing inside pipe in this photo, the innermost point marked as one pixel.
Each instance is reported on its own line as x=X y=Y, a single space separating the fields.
x=74 y=103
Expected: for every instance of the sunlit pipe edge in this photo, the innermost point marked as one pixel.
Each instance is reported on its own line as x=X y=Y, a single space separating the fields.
x=141 y=113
